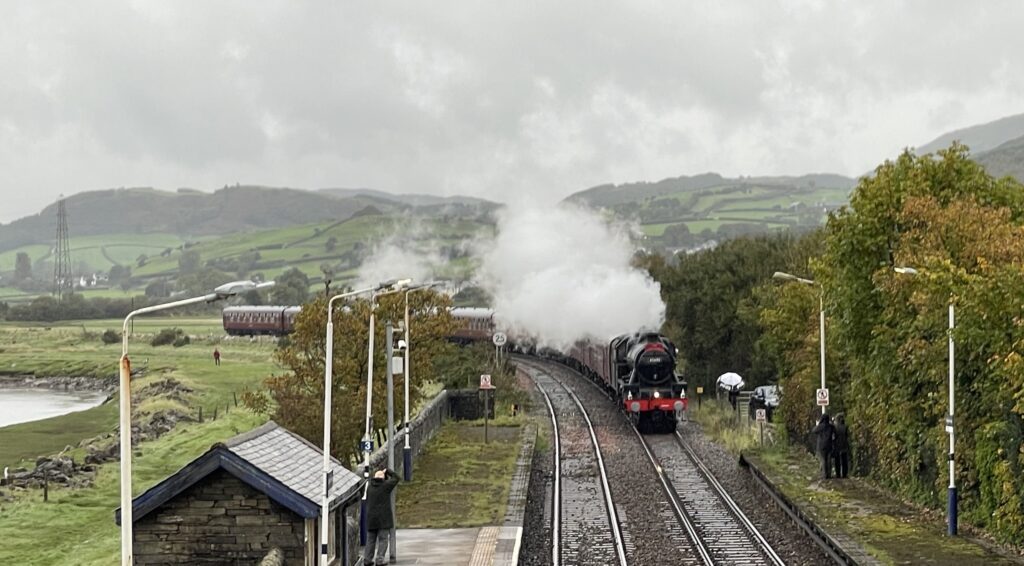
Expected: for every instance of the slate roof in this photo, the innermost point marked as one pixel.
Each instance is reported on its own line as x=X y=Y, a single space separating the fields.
x=271 y=459
x=292 y=460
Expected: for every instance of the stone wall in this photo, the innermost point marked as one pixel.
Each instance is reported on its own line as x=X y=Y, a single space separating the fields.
x=220 y=520
x=422 y=429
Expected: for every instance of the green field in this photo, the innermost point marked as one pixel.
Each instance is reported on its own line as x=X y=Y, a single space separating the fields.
x=76 y=526
x=100 y=252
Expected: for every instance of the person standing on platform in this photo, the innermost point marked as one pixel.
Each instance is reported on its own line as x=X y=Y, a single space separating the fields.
x=841 y=447
x=824 y=432
x=379 y=519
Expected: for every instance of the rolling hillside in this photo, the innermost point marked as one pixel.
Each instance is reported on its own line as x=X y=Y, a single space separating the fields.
x=687 y=212
x=341 y=246
x=980 y=138
x=1005 y=160
x=186 y=213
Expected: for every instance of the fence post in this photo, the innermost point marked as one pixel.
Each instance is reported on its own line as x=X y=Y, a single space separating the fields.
x=200 y=413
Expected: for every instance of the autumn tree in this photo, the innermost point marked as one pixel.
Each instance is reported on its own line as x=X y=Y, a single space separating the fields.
x=295 y=399
x=22 y=267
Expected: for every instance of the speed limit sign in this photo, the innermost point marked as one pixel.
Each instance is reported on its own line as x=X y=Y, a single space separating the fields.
x=499 y=339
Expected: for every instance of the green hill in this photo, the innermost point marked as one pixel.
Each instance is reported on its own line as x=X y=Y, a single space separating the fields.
x=1005 y=160
x=980 y=138
x=188 y=214
x=686 y=212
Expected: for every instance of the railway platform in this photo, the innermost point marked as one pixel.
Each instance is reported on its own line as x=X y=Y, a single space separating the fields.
x=479 y=546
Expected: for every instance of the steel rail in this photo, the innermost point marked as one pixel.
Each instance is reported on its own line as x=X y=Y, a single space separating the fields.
x=723 y=494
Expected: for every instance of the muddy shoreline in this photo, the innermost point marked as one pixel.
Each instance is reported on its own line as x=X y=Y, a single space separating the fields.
x=58 y=383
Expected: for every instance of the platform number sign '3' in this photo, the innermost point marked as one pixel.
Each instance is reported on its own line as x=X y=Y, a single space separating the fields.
x=823 y=397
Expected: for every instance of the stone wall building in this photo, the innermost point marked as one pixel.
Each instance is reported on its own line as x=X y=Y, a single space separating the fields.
x=258 y=491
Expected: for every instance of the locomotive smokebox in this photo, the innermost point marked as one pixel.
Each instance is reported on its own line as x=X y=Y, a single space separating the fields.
x=652 y=359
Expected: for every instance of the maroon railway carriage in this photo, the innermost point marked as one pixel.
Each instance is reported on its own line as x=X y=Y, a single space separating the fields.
x=639 y=369
x=473 y=324
x=259 y=320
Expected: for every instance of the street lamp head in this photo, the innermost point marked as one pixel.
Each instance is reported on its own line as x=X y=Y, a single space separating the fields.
x=393 y=284
x=236 y=287
x=790 y=277
x=905 y=270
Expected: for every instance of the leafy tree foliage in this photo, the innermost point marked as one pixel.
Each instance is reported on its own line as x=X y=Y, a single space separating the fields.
x=295 y=399
x=189 y=262
x=291 y=288
x=22 y=267
x=887 y=333
x=710 y=314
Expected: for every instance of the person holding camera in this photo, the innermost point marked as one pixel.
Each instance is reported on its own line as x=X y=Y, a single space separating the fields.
x=379 y=520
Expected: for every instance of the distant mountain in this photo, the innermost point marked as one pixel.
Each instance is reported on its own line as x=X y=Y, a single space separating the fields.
x=611 y=195
x=410 y=199
x=980 y=138
x=186 y=212
x=1006 y=159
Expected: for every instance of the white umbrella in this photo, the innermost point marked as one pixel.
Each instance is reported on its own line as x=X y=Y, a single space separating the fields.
x=730 y=380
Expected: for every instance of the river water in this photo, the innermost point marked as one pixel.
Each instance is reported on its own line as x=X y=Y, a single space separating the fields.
x=21 y=405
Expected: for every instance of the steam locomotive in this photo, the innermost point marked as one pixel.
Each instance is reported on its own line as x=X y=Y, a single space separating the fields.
x=639 y=370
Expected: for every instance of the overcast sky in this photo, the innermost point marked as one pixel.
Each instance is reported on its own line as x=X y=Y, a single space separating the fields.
x=494 y=99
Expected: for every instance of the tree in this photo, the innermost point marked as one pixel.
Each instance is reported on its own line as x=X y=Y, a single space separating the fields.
x=331 y=244
x=962 y=228
x=295 y=399
x=189 y=262
x=291 y=288
x=22 y=267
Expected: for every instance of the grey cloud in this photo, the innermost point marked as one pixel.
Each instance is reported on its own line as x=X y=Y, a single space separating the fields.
x=493 y=99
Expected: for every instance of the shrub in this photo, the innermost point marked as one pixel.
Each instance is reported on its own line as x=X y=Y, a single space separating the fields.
x=165 y=337
x=110 y=336
x=182 y=341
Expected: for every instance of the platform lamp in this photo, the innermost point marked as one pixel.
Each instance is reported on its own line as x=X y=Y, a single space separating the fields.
x=951 y=509
x=328 y=381
x=388 y=287
x=821 y=317
x=407 y=451
x=125 y=417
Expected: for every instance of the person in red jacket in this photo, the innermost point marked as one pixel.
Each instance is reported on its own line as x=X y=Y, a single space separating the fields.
x=216 y=356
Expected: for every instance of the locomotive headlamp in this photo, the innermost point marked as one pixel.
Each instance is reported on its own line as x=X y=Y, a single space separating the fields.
x=657 y=394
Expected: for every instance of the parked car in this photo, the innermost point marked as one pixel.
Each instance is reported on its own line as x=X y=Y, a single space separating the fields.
x=764 y=397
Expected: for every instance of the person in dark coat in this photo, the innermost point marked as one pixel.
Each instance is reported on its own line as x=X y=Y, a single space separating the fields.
x=824 y=431
x=841 y=447
x=379 y=520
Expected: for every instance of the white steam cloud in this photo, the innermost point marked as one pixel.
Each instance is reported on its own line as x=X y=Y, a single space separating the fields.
x=412 y=253
x=561 y=274
x=392 y=261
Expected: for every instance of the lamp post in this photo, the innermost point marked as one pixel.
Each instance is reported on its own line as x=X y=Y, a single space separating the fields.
x=328 y=381
x=125 y=416
x=393 y=286
x=951 y=508
x=407 y=451
x=821 y=317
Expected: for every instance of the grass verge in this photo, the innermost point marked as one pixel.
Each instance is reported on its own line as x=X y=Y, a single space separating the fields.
x=890 y=530
x=458 y=480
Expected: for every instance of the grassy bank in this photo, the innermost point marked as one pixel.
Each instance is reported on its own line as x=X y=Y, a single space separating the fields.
x=77 y=526
x=459 y=481
x=890 y=530
x=67 y=350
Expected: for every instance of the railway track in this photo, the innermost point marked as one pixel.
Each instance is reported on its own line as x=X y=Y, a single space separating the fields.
x=703 y=512
x=585 y=525
x=720 y=531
